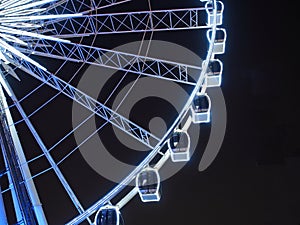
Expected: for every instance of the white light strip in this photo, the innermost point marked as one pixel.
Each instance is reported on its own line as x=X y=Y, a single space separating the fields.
x=22 y=25
x=15 y=3
x=41 y=17
x=3 y=58
x=27 y=6
x=31 y=34
x=26 y=12
x=11 y=49
x=10 y=38
x=3 y=84
x=6 y=3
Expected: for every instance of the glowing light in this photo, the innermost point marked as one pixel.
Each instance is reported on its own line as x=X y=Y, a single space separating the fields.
x=17 y=20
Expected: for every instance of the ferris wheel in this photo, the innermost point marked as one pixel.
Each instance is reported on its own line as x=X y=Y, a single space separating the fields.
x=46 y=46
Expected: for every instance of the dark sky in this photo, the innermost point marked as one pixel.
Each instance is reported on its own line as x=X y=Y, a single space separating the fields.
x=255 y=177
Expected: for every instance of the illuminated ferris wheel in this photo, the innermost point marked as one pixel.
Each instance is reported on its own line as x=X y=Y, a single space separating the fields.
x=45 y=45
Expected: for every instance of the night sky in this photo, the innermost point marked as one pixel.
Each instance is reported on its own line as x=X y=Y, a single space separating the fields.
x=255 y=178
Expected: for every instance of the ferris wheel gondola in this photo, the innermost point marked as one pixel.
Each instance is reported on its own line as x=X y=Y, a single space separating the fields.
x=148 y=184
x=201 y=108
x=214 y=73
x=220 y=40
x=108 y=215
x=179 y=146
x=210 y=13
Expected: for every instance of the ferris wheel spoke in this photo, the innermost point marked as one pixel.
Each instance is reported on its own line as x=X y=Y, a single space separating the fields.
x=34 y=20
x=88 y=102
x=153 y=67
x=115 y=23
x=24 y=18
x=80 y=6
x=45 y=151
x=58 y=10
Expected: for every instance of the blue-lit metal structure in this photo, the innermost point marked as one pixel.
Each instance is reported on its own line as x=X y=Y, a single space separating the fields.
x=33 y=29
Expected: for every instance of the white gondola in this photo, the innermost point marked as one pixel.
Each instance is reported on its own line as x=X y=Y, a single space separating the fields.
x=179 y=146
x=220 y=40
x=108 y=215
x=148 y=184
x=210 y=13
x=214 y=73
x=201 y=109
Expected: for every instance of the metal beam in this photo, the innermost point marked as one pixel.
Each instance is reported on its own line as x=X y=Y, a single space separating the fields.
x=88 y=102
x=127 y=62
x=3 y=217
x=54 y=166
x=80 y=6
x=115 y=23
x=32 y=192
x=10 y=155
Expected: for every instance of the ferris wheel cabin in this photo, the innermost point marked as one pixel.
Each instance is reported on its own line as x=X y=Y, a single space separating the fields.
x=201 y=109
x=214 y=73
x=210 y=13
x=220 y=40
x=108 y=215
x=179 y=146
x=148 y=184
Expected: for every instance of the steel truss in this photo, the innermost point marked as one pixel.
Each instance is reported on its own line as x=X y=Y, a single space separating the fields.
x=89 y=103
x=122 y=61
x=159 y=20
x=80 y=6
